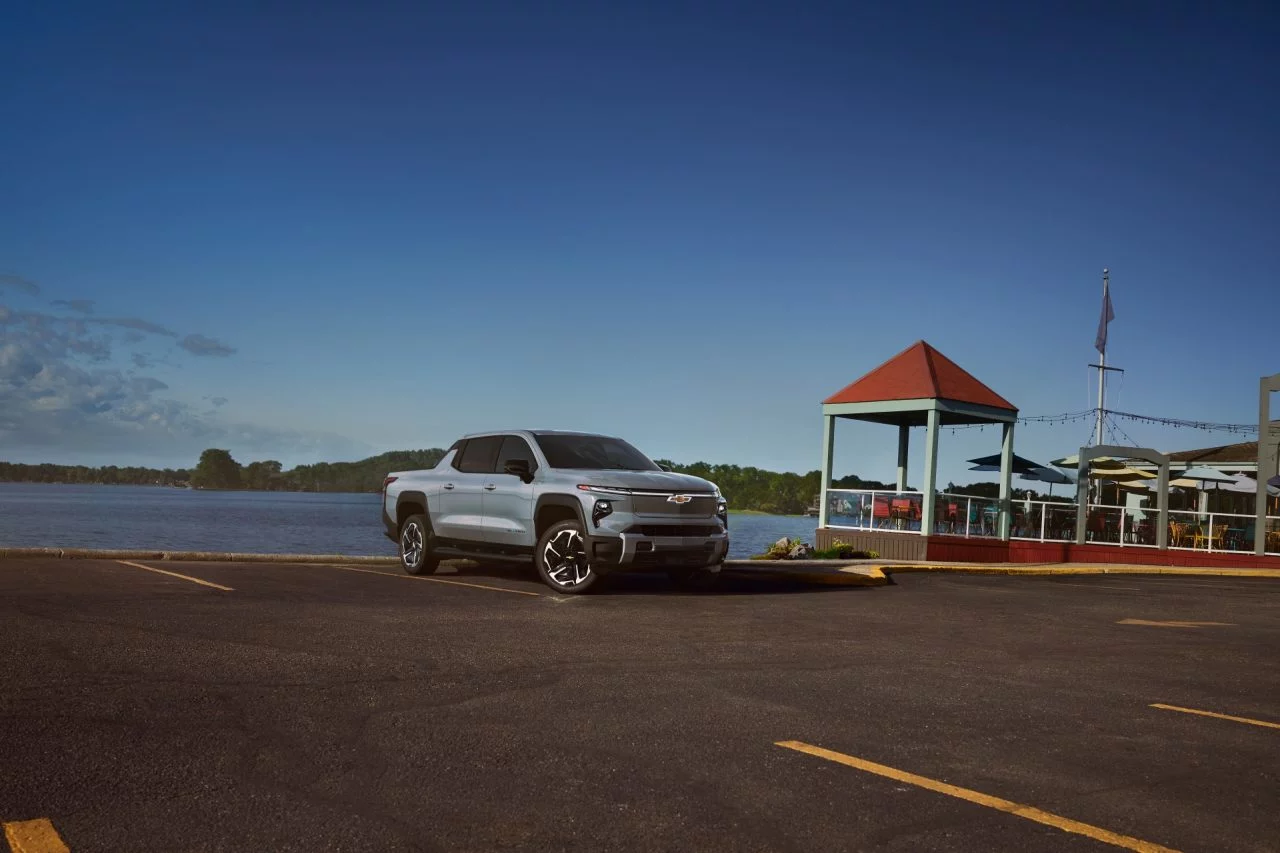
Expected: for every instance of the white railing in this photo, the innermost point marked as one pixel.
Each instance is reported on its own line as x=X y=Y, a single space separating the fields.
x=871 y=509
x=967 y=515
x=1128 y=527
x=1219 y=531
x=1045 y=521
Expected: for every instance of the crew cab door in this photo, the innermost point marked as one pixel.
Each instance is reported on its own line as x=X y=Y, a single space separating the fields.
x=508 y=500
x=461 y=515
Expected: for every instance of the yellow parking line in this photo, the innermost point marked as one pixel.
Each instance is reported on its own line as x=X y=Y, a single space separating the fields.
x=1216 y=715
x=34 y=836
x=1174 y=623
x=175 y=575
x=1027 y=812
x=433 y=580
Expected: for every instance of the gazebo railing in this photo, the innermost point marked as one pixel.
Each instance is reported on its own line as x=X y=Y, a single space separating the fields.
x=875 y=509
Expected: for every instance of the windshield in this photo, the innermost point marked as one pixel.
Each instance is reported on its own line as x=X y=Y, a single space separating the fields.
x=593 y=452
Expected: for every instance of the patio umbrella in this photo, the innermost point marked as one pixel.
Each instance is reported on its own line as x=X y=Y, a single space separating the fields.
x=1198 y=477
x=1047 y=475
x=1246 y=485
x=1073 y=461
x=1274 y=481
x=1199 y=474
x=992 y=463
x=1123 y=474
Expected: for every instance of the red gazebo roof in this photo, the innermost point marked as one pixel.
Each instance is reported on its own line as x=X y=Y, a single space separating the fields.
x=920 y=372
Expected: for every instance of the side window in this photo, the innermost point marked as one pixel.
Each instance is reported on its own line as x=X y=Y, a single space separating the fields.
x=515 y=447
x=480 y=454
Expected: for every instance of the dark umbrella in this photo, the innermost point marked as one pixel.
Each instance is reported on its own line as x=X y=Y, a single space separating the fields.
x=1274 y=481
x=992 y=463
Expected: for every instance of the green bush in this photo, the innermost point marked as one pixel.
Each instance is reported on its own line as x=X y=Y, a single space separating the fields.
x=781 y=550
x=844 y=551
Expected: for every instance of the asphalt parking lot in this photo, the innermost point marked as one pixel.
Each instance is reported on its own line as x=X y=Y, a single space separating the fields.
x=317 y=707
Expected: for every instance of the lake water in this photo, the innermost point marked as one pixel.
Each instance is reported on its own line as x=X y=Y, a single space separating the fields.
x=38 y=515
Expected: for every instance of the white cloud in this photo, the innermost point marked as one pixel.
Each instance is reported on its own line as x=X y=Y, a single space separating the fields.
x=62 y=394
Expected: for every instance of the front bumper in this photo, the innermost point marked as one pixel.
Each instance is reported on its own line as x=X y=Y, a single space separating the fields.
x=627 y=551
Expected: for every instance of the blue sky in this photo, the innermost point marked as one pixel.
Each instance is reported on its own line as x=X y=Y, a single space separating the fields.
x=389 y=224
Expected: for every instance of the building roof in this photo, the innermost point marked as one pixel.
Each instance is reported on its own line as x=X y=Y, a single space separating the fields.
x=1245 y=451
x=920 y=372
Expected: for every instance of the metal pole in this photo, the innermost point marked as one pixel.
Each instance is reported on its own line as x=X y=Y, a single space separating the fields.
x=1102 y=371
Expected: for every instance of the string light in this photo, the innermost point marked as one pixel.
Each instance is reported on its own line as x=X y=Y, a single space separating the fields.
x=1091 y=414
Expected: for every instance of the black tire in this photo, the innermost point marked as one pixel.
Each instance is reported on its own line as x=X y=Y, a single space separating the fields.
x=694 y=580
x=561 y=560
x=419 y=560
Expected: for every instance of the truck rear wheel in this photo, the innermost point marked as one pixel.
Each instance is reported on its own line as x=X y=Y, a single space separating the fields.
x=416 y=540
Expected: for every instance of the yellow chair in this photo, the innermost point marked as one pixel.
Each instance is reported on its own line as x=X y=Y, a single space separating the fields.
x=1215 y=537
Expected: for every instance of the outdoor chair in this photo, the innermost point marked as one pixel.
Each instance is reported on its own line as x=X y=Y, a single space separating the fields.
x=1211 y=539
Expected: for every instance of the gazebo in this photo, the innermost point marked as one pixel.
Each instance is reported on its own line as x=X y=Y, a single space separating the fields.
x=917 y=387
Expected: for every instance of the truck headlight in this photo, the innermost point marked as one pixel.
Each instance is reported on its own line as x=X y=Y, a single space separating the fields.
x=600 y=510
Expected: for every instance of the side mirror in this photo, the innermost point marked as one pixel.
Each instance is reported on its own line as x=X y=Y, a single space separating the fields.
x=518 y=468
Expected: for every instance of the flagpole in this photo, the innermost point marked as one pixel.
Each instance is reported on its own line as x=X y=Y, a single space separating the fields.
x=1102 y=364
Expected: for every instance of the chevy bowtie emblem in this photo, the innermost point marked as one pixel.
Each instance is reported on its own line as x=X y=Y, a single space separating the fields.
x=679 y=499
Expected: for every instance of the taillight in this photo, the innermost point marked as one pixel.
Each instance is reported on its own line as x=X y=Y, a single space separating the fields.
x=387 y=482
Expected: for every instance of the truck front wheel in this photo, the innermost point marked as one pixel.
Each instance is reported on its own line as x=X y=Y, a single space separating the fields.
x=561 y=558
x=416 y=540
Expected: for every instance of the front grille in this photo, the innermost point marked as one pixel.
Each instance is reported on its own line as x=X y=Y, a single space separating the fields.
x=675 y=529
x=702 y=506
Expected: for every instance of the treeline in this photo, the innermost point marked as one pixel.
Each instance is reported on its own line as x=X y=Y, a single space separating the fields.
x=781 y=493
x=14 y=472
x=746 y=488
x=217 y=469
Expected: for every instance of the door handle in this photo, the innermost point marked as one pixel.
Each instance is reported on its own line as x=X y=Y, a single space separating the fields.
x=448 y=485
x=489 y=487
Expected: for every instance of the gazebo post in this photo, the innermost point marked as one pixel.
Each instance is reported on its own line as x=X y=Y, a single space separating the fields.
x=904 y=443
x=828 y=457
x=1006 y=482
x=930 y=471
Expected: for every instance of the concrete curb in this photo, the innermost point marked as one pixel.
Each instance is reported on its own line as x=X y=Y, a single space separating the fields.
x=1101 y=569
x=848 y=576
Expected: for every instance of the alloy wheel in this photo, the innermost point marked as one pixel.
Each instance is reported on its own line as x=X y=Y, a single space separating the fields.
x=566 y=559
x=411 y=545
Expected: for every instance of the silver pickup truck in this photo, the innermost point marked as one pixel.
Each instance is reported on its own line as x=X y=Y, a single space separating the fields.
x=577 y=505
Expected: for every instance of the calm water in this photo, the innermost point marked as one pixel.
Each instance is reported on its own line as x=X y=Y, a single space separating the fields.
x=38 y=515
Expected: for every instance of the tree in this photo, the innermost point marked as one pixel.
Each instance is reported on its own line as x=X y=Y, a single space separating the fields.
x=262 y=475
x=216 y=470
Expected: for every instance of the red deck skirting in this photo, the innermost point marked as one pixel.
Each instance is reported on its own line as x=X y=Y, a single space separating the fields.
x=958 y=549
x=961 y=550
